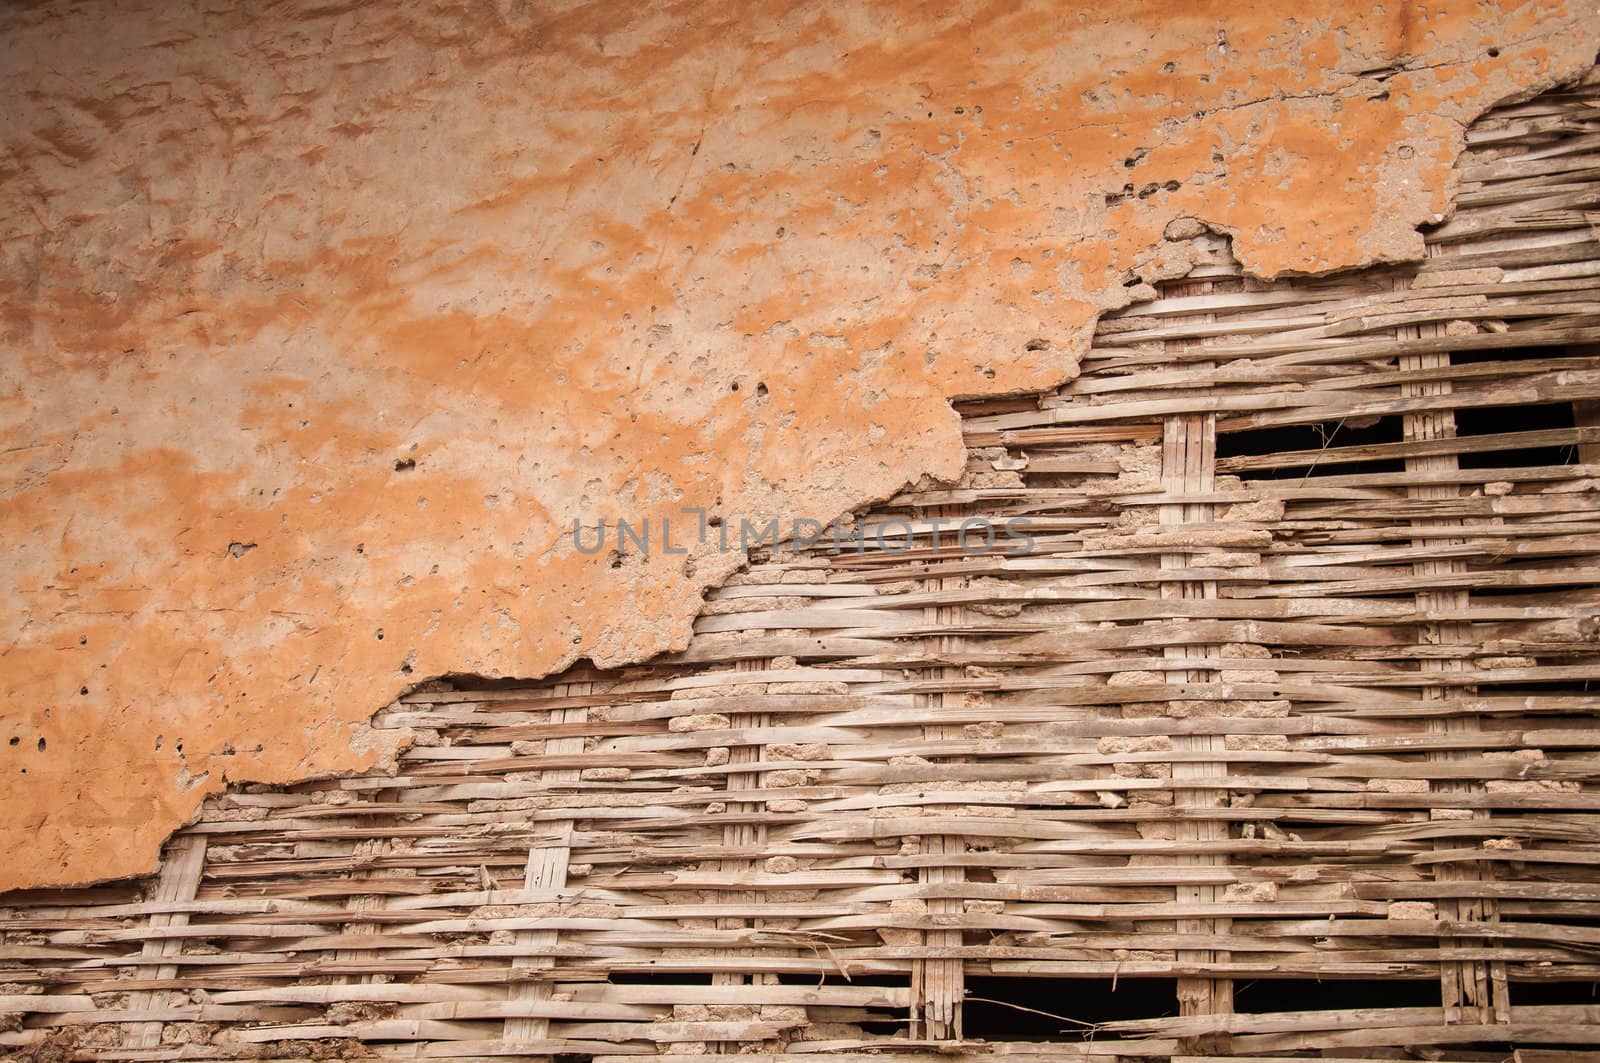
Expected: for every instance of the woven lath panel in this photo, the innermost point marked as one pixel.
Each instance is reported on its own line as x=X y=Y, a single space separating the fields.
x=1292 y=689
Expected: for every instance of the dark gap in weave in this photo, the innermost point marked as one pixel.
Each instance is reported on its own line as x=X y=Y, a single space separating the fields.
x=1061 y=1009
x=1266 y=995
x=1491 y=420
x=657 y=978
x=1326 y=440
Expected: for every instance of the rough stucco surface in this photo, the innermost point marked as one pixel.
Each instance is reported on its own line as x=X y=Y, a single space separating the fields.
x=252 y=261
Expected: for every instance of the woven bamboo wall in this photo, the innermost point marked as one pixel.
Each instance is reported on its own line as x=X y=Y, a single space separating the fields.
x=1294 y=687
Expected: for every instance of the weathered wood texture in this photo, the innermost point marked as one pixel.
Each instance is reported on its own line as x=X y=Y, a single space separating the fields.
x=1307 y=704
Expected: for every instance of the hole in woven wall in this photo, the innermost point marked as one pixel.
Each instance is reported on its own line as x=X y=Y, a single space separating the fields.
x=1484 y=355
x=1498 y=420
x=1264 y=995
x=1525 y=994
x=1291 y=452
x=1061 y=1009
x=1548 y=595
x=1522 y=363
x=661 y=978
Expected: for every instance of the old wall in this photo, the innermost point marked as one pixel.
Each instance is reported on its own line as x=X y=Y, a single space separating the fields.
x=323 y=322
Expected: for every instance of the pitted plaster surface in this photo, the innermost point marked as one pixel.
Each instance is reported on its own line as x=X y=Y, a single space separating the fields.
x=323 y=321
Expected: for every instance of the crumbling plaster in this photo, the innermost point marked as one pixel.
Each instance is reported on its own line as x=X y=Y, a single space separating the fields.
x=323 y=321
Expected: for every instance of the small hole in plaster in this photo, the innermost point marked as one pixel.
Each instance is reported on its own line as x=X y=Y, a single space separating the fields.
x=1494 y=53
x=380 y=634
x=405 y=464
x=1037 y=345
x=16 y=741
x=761 y=391
x=237 y=549
x=41 y=745
x=83 y=692
x=361 y=548
x=83 y=640
x=734 y=386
